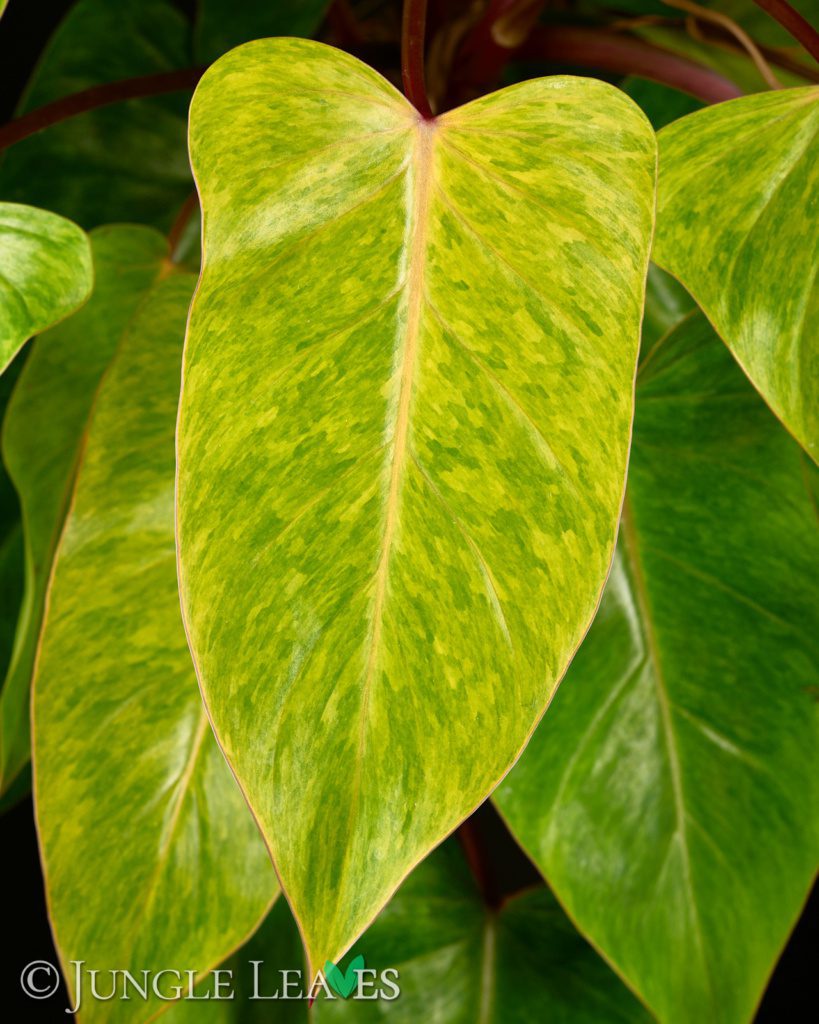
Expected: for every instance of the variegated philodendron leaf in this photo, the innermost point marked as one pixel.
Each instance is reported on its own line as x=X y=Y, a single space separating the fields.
x=43 y=433
x=45 y=273
x=737 y=205
x=402 y=443
x=153 y=861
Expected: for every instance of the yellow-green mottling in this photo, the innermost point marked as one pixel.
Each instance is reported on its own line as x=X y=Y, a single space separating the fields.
x=151 y=857
x=671 y=794
x=45 y=273
x=42 y=435
x=407 y=398
x=738 y=225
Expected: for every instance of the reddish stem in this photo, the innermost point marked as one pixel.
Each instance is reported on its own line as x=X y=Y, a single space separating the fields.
x=412 y=56
x=608 y=51
x=95 y=97
x=801 y=29
x=481 y=58
x=472 y=844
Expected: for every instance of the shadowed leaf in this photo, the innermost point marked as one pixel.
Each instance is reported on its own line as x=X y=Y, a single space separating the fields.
x=124 y=162
x=457 y=961
x=671 y=795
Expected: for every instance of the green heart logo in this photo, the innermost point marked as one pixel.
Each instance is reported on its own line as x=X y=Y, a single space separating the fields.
x=344 y=983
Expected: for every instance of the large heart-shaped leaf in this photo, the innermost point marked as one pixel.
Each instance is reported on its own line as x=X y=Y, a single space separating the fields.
x=42 y=436
x=671 y=795
x=736 y=223
x=457 y=960
x=45 y=273
x=402 y=442
x=151 y=857
x=125 y=162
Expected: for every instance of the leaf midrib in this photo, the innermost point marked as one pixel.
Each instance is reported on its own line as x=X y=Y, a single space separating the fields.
x=631 y=546
x=422 y=188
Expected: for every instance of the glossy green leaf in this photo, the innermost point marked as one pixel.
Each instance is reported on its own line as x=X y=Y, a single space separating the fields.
x=151 y=857
x=402 y=442
x=125 y=162
x=736 y=224
x=223 y=24
x=667 y=303
x=459 y=961
x=45 y=274
x=671 y=795
x=43 y=433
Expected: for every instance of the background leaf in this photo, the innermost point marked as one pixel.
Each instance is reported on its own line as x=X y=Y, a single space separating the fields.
x=45 y=274
x=11 y=537
x=726 y=57
x=667 y=303
x=460 y=961
x=671 y=794
x=152 y=858
x=223 y=24
x=402 y=442
x=660 y=103
x=125 y=162
x=43 y=434
x=736 y=223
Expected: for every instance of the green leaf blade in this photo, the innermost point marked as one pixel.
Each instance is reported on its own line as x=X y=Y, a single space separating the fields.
x=45 y=274
x=42 y=436
x=670 y=796
x=736 y=225
x=162 y=863
x=352 y=560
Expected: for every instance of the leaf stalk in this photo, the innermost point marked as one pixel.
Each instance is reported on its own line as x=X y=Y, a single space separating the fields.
x=609 y=51
x=800 y=28
x=413 y=38
x=97 y=96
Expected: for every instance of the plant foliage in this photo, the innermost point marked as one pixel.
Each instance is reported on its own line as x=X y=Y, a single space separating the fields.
x=295 y=557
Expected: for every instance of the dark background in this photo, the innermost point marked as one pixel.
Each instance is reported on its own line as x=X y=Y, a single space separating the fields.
x=793 y=993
